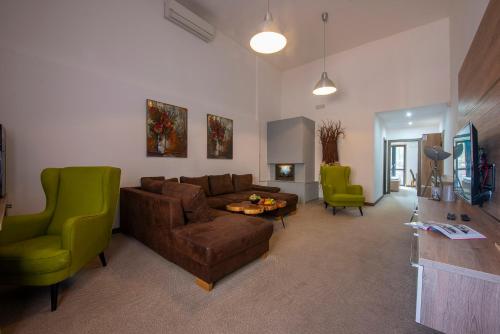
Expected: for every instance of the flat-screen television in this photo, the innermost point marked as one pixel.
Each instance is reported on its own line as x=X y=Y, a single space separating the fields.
x=466 y=183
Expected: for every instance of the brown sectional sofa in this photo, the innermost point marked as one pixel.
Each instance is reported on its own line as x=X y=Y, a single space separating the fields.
x=181 y=223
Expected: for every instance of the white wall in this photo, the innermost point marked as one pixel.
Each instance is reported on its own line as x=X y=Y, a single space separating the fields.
x=402 y=71
x=465 y=18
x=75 y=75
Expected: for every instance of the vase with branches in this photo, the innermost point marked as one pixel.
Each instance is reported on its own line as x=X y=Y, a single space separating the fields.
x=329 y=133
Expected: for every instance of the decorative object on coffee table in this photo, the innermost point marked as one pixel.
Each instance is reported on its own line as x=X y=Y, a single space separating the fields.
x=248 y=208
x=254 y=198
x=166 y=128
x=219 y=137
x=329 y=133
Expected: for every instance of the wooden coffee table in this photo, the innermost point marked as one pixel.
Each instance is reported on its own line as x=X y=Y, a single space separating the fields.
x=247 y=208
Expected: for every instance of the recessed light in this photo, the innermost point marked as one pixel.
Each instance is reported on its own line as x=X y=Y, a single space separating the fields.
x=410 y=123
x=408 y=114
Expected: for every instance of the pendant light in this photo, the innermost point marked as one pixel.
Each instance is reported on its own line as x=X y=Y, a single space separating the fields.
x=269 y=39
x=325 y=86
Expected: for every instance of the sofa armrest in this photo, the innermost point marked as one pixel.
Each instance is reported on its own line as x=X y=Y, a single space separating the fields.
x=258 y=187
x=142 y=211
x=22 y=227
x=354 y=189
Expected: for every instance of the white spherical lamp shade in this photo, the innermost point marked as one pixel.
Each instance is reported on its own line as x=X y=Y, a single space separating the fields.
x=325 y=86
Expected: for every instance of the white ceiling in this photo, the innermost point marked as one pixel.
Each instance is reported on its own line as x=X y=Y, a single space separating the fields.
x=420 y=117
x=351 y=22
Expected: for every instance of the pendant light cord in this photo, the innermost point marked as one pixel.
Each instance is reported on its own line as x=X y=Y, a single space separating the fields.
x=324 y=46
x=268 y=6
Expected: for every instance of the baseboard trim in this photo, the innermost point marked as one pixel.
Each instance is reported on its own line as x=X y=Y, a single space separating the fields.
x=376 y=202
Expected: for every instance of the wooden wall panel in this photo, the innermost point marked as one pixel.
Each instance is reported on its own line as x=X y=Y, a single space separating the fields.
x=479 y=90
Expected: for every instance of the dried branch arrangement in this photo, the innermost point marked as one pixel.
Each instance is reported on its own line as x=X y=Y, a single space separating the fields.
x=329 y=133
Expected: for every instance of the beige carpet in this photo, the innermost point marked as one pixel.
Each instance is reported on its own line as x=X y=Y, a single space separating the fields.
x=324 y=274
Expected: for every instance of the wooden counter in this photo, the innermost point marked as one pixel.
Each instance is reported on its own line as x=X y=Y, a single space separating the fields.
x=458 y=288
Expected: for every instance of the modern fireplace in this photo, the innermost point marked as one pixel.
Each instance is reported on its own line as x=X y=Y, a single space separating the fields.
x=285 y=172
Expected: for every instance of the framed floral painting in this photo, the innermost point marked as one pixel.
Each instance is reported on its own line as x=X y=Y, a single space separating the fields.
x=219 y=137
x=166 y=127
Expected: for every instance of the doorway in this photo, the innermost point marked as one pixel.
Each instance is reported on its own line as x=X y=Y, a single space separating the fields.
x=401 y=164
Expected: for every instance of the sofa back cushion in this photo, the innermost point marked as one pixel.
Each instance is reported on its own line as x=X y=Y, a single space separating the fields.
x=242 y=182
x=220 y=184
x=201 y=181
x=172 y=179
x=152 y=184
x=193 y=200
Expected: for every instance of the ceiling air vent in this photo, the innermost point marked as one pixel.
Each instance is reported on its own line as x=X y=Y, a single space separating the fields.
x=187 y=20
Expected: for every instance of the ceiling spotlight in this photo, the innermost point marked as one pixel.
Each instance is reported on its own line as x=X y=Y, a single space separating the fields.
x=408 y=114
x=410 y=123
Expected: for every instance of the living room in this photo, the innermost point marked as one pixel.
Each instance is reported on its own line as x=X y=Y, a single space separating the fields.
x=88 y=83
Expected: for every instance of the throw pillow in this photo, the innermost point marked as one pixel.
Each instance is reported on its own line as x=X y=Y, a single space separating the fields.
x=201 y=181
x=242 y=182
x=220 y=184
x=193 y=200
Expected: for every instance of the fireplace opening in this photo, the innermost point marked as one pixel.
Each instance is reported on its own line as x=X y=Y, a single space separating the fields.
x=285 y=172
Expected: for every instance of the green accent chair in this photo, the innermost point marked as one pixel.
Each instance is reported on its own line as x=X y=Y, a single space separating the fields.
x=46 y=248
x=337 y=191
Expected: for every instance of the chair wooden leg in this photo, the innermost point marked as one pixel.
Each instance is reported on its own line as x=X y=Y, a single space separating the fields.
x=334 y=212
x=103 y=259
x=204 y=285
x=361 y=211
x=326 y=205
x=54 y=289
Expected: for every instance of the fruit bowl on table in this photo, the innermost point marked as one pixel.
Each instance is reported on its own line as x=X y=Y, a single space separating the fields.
x=269 y=204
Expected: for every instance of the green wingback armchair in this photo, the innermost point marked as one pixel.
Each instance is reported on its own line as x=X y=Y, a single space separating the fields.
x=46 y=248
x=337 y=191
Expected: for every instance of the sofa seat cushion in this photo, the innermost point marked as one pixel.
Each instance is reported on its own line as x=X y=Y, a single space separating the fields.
x=347 y=198
x=218 y=202
x=34 y=256
x=225 y=236
x=214 y=213
x=220 y=184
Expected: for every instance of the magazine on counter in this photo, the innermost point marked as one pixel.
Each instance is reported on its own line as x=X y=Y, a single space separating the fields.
x=452 y=231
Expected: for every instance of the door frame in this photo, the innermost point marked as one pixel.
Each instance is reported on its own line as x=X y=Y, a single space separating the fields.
x=387 y=160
